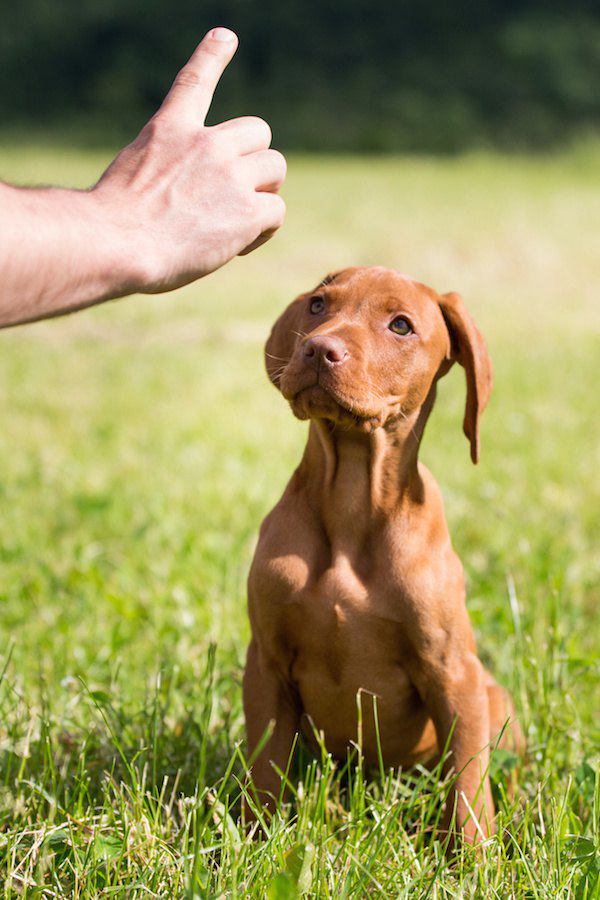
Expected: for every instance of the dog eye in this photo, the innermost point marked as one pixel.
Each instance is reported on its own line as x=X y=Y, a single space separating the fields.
x=399 y=325
x=317 y=306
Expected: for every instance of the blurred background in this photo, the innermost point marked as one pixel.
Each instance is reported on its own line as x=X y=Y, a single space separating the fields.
x=141 y=443
x=367 y=75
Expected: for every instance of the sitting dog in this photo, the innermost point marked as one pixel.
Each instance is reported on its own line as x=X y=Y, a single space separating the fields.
x=355 y=587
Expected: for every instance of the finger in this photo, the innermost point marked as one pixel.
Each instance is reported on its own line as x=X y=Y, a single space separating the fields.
x=271 y=212
x=265 y=169
x=247 y=133
x=271 y=216
x=192 y=91
x=260 y=240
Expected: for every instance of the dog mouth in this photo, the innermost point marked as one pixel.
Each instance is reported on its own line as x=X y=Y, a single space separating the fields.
x=318 y=401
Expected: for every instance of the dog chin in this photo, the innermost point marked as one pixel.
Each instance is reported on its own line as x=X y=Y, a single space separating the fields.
x=317 y=403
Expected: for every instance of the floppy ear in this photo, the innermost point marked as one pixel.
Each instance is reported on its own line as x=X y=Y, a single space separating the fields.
x=468 y=348
x=282 y=340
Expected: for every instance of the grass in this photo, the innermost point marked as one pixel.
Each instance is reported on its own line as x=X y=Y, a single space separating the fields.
x=141 y=446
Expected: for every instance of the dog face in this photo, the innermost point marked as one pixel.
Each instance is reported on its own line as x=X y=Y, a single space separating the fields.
x=364 y=348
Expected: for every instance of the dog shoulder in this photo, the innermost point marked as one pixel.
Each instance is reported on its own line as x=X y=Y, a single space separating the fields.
x=287 y=551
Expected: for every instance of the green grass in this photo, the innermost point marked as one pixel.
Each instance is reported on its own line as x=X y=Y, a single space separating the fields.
x=140 y=446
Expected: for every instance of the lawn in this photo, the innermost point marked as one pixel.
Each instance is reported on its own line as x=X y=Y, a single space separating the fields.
x=140 y=447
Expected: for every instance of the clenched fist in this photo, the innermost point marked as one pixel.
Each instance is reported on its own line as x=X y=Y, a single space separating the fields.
x=174 y=205
x=192 y=196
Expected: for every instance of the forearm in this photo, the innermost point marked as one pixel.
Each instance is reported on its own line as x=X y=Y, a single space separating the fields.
x=58 y=253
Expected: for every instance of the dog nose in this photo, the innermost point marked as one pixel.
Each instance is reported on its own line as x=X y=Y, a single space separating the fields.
x=325 y=348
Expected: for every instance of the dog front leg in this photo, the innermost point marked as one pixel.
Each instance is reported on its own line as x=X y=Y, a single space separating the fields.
x=272 y=720
x=456 y=697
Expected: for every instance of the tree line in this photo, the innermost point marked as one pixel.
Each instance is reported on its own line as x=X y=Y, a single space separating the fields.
x=357 y=75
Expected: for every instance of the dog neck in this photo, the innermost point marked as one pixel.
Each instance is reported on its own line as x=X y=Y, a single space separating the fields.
x=355 y=480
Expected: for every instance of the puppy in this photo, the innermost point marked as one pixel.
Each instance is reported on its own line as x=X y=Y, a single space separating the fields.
x=355 y=588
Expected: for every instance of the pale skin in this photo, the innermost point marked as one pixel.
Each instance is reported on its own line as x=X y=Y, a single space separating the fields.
x=176 y=204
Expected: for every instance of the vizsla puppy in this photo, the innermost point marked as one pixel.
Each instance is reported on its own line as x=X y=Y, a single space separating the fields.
x=355 y=586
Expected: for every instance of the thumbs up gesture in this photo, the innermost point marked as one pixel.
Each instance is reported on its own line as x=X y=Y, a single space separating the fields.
x=184 y=198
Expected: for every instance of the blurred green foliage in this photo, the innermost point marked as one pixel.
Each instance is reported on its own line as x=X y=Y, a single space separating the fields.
x=366 y=75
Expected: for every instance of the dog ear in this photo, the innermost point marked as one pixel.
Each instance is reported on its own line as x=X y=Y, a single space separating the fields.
x=468 y=348
x=282 y=340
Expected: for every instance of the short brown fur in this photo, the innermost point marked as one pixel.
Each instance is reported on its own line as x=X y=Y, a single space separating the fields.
x=355 y=586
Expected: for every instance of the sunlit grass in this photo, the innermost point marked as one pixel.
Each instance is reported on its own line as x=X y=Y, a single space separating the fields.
x=140 y=447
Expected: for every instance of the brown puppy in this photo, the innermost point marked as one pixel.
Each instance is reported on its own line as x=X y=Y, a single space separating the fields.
x=355 y=586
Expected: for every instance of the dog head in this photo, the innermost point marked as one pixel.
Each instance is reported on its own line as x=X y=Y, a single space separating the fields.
x=364 y=348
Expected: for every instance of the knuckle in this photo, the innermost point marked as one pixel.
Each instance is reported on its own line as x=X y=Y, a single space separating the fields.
x=279 y=160
x=279 y=210
x=206 y=142
x=188 y=78
x=257 y=122
x=219 y=136
x=211 y=48
x=168 y=125
x=158 y=130
x=264 y=129
x=258 y=125
x=152 y=129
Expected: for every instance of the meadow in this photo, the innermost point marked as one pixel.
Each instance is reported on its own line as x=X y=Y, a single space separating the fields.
x=140 y=447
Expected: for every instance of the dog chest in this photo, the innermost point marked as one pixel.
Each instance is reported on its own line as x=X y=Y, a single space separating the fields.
x=337 y=614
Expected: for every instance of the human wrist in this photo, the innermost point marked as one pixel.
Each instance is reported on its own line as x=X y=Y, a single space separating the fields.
x=122 y=257
x=70 y=225
x=83 y=256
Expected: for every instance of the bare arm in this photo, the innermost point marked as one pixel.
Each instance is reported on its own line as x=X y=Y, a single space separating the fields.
x=176 y=204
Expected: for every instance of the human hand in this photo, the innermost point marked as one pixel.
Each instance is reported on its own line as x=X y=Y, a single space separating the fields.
x=184 y=198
